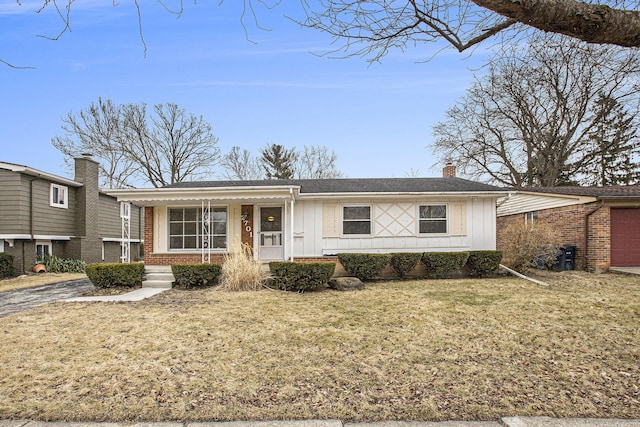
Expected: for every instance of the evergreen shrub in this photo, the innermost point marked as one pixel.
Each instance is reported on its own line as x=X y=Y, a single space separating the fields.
x=111 y=275
x=6 y=266
x=364 y=266
x=483 y=263
x=443 y=264
x=403 y=263
x=300 y=276
x=196 y=275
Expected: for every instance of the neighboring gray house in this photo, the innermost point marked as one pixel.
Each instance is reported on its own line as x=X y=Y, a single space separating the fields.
x=41 y=213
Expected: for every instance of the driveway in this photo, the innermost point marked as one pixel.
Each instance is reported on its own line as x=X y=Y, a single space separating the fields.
x=22 y=299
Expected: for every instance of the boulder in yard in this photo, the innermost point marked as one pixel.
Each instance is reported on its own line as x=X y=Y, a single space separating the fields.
x=346 y=283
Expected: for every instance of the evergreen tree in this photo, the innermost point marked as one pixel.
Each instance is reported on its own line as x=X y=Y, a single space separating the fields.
x=278 y=162
x=615 y=140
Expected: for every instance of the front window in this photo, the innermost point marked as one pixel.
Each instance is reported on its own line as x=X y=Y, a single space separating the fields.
x=356 y=220
x=433 y=219
x=185 y=228
x=59 y=196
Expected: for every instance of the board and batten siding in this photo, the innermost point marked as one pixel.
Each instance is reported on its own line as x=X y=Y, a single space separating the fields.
x=318 y=227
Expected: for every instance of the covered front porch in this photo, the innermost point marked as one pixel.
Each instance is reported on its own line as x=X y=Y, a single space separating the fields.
x=200 y=226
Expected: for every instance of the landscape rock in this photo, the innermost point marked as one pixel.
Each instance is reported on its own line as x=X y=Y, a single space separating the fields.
x=346 y=283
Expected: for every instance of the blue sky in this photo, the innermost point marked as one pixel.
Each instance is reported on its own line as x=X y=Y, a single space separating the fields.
x=377 y=118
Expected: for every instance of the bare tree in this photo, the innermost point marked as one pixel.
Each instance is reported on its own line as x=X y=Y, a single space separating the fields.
x=528 y=121
x=239 y=164
x=316 y=162
x=168 y=147
x=98 y=131
x=371 y=28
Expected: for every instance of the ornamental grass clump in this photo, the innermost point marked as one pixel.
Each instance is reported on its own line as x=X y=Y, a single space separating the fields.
x=241 y=272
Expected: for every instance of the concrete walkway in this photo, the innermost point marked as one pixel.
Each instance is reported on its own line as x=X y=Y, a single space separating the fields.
x=137 y=295
x=626 y=270
x=504 y=422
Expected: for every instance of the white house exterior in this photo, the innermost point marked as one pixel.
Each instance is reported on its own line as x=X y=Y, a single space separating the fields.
x=310 y=219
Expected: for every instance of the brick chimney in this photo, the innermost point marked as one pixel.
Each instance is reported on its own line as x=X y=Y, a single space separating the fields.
x=87 y=244
x=449 y=170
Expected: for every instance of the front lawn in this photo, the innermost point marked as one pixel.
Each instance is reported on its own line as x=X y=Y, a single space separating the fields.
x=409 y=350
x=33 y=280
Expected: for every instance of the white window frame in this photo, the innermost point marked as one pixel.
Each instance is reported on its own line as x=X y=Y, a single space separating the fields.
x=445 y=219
x=1 y=245
x=531 y=217
x=198 y=234
x=343 y=220
x=55 y=202
x=44 y=243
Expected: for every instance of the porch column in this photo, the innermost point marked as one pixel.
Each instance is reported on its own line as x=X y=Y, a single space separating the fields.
x=293 y=202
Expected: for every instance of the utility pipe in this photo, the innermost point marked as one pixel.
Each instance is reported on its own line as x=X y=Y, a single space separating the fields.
x=522 y=276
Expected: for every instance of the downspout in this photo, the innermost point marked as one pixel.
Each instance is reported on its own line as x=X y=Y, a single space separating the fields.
x=293 y=202
x=585 y=257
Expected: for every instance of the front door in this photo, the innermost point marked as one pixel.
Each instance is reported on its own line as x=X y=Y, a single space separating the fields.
x=271 y=238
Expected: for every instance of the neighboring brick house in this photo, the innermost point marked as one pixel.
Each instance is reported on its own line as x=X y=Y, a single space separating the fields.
x=41 y=213
x=602 y=222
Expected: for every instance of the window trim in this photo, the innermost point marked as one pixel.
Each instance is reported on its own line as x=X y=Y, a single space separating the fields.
x=199 y=230
x=65 y=196
x=447 y=215
x=343 y=220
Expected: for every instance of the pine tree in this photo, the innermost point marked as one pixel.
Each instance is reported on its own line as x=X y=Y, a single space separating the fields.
x=278 y=162
x=616 y=141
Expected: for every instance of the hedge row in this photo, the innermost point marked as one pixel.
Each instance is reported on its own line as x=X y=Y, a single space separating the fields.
x=438 y=264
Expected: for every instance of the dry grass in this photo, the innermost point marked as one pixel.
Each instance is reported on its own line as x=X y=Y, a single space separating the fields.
x=241 y=272
x=32 y=280
x=409 y=350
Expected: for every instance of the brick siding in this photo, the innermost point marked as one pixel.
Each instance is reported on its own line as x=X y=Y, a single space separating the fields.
x=569 y=223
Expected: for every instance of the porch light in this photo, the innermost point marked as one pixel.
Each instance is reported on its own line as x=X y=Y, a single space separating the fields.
x=271 y=218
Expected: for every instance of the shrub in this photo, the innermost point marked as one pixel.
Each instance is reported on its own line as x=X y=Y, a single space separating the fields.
x=6 y=266
x=403 y=263
x=528 y=245
x=443 y=264
x=196 y=275
x=300 y=276
x=483 y=263
x=240 y=272
x=113 y=275
x=364 y=266
x=53 y=264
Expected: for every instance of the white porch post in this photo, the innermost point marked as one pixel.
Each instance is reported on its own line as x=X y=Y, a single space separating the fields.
x=293 y=202
x=206 y=232
x=125 y=242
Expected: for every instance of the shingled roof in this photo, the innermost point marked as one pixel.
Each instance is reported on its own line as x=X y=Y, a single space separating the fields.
x=357 y=185
x=629 y=191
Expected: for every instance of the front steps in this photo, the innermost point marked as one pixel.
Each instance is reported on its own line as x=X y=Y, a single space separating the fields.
x=158 y=276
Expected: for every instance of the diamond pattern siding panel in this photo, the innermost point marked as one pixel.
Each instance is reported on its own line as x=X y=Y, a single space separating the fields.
x=394 y=219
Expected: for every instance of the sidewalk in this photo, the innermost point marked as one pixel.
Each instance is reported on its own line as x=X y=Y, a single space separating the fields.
x=504 y=422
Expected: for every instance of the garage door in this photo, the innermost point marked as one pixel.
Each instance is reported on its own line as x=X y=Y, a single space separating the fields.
x=625 y=237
